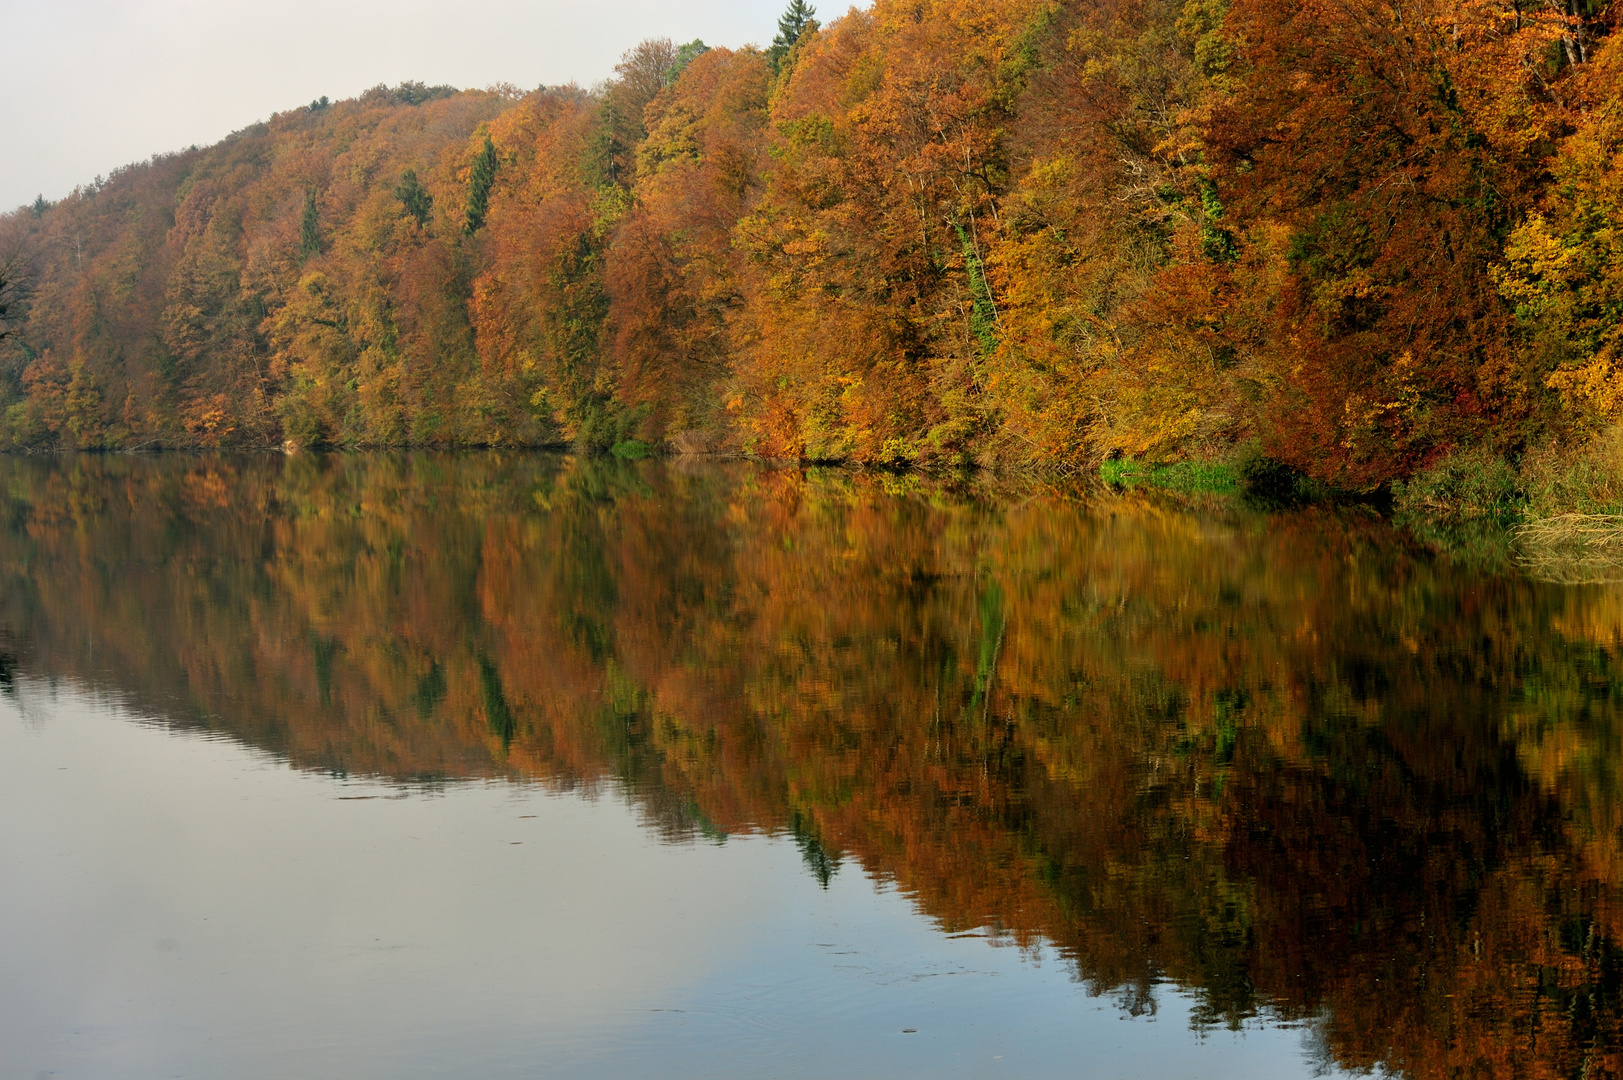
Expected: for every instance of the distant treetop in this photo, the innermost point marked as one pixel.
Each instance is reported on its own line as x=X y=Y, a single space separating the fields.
x=685 y=55
x=410 y=92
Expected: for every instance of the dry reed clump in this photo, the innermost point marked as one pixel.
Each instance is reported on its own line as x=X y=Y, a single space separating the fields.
x=1588 y=479
x=1572 y=530
x=1572 y=549
x=691 y=442
x=1591 y=530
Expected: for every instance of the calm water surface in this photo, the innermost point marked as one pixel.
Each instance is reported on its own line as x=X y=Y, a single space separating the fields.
x=486 y=765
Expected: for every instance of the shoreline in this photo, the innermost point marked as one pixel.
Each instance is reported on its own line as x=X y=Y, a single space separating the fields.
x=1481 y=509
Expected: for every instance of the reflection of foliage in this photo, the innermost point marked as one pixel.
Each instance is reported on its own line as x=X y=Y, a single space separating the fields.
x=1281 y=761
x=819 y=860
x=497 y=714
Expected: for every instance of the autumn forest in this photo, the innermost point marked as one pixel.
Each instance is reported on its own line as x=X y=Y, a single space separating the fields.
x=1359 y=237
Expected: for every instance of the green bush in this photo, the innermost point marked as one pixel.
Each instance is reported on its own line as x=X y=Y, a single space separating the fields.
x=1272 y=481
x=631 y=449
x=1467 y=484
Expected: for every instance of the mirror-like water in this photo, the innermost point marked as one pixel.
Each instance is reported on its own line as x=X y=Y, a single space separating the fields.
x=526 y=765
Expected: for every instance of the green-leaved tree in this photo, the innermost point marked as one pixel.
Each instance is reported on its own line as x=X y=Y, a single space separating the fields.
x=685 y=55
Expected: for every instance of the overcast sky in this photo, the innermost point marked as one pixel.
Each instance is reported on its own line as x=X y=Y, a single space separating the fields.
x=89 y=85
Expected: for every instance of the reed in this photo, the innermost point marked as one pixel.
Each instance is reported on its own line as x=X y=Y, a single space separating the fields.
x=1572 y=548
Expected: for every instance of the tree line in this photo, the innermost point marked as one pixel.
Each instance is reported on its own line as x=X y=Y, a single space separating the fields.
x=1357 y=236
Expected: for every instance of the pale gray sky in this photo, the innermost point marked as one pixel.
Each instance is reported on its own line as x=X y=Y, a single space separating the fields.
x=89 y=85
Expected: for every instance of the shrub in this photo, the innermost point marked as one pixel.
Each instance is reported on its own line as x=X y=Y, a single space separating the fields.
x=1588 y=480
x=1465 y=485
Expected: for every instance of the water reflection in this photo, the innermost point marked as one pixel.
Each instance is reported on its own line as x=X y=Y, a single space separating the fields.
x=1288 y=763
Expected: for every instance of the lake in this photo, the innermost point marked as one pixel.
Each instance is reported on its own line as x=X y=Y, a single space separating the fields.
x=502 y=765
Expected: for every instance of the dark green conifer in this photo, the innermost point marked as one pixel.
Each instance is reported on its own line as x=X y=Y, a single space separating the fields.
x=414 y=197
x=794 y=21
x=479 y=182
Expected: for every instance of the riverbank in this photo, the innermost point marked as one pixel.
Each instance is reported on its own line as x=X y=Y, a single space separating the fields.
x=1557 y=511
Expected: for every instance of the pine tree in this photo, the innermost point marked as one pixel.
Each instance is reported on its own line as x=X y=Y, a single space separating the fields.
x=479 y=182
x=309 y=227
x=5 y=298
x=414 y=197
x=794 y=21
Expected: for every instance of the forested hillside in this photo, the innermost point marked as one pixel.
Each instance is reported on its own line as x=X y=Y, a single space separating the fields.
x=1360 y=235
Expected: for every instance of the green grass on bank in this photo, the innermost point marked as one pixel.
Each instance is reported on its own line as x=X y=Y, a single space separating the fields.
x=1246 y=472
x=1202 y=477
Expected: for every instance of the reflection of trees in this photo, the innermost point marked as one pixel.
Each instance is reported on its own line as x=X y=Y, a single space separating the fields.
x=1288 y=764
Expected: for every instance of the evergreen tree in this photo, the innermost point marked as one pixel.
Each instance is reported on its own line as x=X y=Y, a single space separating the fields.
x=414 y=197
x=794 y=21
x=5 y=298
x=479 y=182
x=40 y=206
x=309 y=227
